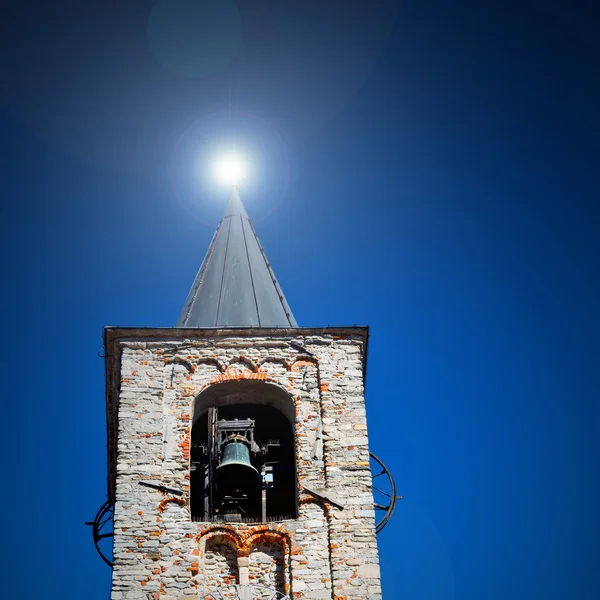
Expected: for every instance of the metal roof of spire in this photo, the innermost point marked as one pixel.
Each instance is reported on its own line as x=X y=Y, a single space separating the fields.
x=235 y=286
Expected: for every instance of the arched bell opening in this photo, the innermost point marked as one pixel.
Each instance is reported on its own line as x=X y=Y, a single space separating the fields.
x=243 y=466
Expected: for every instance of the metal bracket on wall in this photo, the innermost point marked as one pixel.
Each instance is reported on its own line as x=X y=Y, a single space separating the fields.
x=321 y=495
x=161 y=488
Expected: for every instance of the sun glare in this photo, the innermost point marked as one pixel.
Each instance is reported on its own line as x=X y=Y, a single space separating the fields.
x=230 y=169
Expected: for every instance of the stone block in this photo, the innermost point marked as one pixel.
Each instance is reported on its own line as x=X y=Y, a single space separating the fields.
x=368 y=571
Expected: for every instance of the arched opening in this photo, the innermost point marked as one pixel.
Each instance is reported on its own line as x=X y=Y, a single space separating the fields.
x=266 y=567
x=243 y=466
x=220 y=563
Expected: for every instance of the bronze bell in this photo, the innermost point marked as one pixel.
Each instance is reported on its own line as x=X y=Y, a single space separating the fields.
x=236 y=472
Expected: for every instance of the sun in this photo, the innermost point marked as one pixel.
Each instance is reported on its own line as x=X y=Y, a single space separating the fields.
x=231 y=169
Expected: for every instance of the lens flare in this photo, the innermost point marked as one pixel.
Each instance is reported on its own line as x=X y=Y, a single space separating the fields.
x=231 y=169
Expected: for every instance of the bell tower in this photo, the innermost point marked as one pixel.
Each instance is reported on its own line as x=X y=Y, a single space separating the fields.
x=239 y=464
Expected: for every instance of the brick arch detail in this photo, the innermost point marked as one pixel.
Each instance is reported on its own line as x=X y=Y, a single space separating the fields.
x=226 y=533
x=270 y=536
x=273 y=538
x=191 y=367
x=245 y=541
x=312 y=500
x=243 y=360
x=236 y=375
x=276 y=360
x=177 y=360
x=220 y=536
x=304 y=360
x=164 y=503
x=212 y=360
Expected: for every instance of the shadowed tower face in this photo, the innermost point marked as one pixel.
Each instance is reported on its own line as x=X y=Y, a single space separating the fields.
x=237 y=441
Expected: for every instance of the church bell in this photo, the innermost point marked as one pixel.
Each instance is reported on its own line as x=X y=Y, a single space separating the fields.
x=236 y=472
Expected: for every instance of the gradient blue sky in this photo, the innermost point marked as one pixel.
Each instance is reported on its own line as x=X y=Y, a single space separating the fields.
x=430 y=169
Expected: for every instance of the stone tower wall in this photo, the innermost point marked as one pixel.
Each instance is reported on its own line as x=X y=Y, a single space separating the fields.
x=159 y=553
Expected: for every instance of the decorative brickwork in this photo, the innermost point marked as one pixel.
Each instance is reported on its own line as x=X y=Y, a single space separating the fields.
x=160 y=553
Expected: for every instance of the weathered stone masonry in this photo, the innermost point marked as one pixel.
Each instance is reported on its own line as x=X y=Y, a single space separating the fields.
x=154 y=378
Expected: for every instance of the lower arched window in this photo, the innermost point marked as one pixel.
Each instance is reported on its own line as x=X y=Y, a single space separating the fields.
x=220 y=563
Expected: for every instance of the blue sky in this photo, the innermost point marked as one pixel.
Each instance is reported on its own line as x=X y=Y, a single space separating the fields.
x=428 y=169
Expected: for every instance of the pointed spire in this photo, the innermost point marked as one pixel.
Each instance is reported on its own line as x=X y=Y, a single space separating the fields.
x=235 y=206
x=235 y=286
